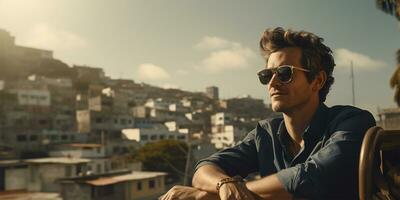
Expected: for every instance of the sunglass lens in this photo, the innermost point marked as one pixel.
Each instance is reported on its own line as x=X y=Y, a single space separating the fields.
x=284 y=73
x=265 y=76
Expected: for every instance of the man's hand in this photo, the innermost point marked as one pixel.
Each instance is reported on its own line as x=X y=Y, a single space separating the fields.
x=187 y=193
x=235 y=191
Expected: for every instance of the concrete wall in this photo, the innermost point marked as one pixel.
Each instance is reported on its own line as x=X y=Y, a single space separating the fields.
x=119 y=192
x=96 y=152
x=16 y=178
x=43 y=177
x=73 y=191
x=147 y=193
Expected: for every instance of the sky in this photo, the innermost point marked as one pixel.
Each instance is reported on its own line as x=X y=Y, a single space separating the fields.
x=193 y=44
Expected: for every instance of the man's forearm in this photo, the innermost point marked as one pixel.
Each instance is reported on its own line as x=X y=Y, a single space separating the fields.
x=269 y=187
x=207 y=177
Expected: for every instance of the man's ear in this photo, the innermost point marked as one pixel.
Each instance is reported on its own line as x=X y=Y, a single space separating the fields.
x=319 y=80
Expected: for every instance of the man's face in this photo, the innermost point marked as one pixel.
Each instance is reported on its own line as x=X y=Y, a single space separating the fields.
x=289 y=97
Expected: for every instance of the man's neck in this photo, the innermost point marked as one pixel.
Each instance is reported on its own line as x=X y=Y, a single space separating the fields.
x=297 y=121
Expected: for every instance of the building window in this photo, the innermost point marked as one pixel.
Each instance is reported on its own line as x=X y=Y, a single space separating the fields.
x=21 y=138
x=144 y=137
x=98 y=168
x=153 y=137
x=99 y=120
x=18 y=121
x=115 y=121
x=171 y=137
x=139 y=186
x=78 y=169
x=162 y=137
x=181 y=137
x=42 y=122
x=64 y=137
x=68 y=171
x=53 y=137
x=152 y=184
x=33 y=137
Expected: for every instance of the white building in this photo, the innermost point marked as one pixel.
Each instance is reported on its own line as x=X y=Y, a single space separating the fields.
x=157 y=133
x=178 y=108
x=57 y=82
x=89 y=120
x=158 y=104
x=33 y=97
x=228 y=136
x=43 y=172
x=221 y=118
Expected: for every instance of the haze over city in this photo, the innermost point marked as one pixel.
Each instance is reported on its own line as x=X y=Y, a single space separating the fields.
x=195 y=44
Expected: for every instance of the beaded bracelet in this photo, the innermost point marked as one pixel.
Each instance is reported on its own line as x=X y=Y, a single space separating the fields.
x=228 y=180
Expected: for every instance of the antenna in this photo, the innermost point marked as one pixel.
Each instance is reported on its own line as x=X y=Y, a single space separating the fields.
x=352 y=83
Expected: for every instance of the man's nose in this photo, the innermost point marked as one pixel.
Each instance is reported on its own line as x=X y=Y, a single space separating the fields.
x=274 y=81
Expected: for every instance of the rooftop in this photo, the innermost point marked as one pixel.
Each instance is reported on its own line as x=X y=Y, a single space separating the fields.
x=24 y=195
x=108 y=179
x=58 y=160
x=83 y=145
x=135 y=175
x=11 y=162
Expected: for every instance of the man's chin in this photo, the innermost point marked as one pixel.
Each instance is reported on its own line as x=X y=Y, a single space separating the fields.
x=277 y=108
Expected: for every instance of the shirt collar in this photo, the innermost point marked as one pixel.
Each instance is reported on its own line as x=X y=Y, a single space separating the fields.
x=318 y=123
x=314 y=129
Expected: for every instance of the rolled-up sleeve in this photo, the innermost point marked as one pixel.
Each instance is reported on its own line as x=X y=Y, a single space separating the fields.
x=333 y=170
x=238 y=160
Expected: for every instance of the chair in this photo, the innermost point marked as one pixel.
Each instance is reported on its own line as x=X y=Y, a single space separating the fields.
x=379 y=146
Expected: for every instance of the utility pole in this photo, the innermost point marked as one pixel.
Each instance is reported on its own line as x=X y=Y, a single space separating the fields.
x=187 y=166
x=352 y=83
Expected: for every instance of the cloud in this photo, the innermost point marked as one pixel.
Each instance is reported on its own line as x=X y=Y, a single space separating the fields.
x=182 y=72
x=150 y=71
x=44 y=36
x=212 y=42
x=227 y=60
x=343 y=57
x=224 y=55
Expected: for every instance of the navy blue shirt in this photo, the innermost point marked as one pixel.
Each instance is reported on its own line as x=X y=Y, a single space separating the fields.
x=325 y=168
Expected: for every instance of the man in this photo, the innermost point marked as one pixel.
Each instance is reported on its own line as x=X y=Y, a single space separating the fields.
x=311 y=152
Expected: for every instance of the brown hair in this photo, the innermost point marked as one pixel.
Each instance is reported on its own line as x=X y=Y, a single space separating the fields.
x=315 y=56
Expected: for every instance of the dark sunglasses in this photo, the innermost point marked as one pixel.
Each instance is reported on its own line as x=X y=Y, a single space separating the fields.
x=284 y=73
